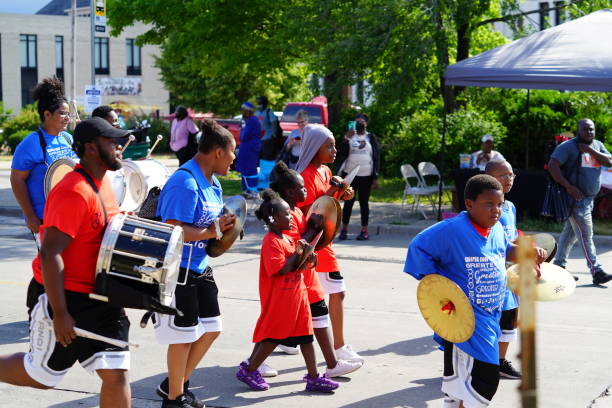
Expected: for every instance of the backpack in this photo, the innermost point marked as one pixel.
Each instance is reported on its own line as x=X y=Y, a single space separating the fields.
x=148 y=209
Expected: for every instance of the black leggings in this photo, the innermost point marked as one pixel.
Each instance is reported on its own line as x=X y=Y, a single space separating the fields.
x=363 y=188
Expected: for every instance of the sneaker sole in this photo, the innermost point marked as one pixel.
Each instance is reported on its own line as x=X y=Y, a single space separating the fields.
x=268 y=375
x=352 y=370
x=508 y=376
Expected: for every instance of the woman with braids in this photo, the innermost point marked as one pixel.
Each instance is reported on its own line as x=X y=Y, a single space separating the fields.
x=39 y=149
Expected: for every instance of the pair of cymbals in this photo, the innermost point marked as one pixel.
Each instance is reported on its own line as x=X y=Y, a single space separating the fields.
x=329 y=209
x=547 y=242
x=233 y=205
x=555 y=283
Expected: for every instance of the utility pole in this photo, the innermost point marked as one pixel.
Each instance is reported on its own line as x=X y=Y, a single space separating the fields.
x=93 y=39
x=73 y=54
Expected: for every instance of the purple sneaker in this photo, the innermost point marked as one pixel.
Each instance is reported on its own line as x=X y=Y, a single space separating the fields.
x=320 y=384
x=253 y=379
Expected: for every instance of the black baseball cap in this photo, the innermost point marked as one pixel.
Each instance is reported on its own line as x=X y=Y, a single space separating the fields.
x=89 y=129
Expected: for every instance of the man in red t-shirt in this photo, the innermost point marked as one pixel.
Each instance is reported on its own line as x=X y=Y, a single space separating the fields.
x=76 y=213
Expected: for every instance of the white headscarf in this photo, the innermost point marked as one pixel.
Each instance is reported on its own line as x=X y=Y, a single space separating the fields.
x=314 y=137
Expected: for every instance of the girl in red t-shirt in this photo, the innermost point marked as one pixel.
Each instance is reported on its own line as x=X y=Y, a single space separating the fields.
x=285 y=313
x=318 y=148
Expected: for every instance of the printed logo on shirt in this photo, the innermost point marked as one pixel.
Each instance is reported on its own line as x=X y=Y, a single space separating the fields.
x=589 y=161
x=485 y=281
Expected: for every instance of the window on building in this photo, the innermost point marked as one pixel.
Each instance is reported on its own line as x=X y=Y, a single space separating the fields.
x=559 y=12
x=132 y=57
x=29 y=69
x=544 y=15
x=59 y=56
x=101 y=56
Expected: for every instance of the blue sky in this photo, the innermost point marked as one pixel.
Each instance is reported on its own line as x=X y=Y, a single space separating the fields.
x=21 y=6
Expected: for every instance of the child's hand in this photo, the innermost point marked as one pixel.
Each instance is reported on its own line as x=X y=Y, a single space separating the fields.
x=227 y=221
x=313 y=259
x=315 y=222
x=348 y=194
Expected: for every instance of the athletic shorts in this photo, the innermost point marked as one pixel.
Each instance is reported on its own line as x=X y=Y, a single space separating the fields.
x=472 y=381
x=197 y=300
x=320 y=315
x=48 y=361
x=507 y=324
x=332 y=282
x=293 y=341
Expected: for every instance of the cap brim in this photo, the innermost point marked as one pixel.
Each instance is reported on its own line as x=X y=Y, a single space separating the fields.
x=115 y=133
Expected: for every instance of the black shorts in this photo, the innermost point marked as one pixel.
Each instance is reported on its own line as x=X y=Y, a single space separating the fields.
x=508 y=319
x=293 y=341
x=197 y=299
x=318 y=309
x=48 y=360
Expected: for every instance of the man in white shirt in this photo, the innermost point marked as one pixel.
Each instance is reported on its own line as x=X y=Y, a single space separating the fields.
x=487 y=154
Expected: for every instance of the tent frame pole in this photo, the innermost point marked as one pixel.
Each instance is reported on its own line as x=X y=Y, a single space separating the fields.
x=527 y=131
x=442 y=149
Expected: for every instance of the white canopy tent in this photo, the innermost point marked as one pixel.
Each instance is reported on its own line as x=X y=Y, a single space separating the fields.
x=576 y=55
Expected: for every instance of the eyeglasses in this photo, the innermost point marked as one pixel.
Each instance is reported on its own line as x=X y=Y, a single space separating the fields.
x=63 y=114
x=507 y=176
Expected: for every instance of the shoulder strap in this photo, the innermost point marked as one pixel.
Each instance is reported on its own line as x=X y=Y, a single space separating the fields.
x=93 y=186
x=43 y=145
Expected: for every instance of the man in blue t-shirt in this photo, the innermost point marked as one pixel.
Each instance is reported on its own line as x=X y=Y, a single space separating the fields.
x=192 y=199
x=576 y=165
x=471 y=250
x=248 y=153
x=269 y=145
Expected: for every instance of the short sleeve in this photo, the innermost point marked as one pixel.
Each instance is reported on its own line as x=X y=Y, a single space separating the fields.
x=310 y=185
x=192 y=127
x=561 y=153
x=179 y=199
x=27 y=154
x=274 y=256
x=66 y=210
x=423 y=255
x=602 y=149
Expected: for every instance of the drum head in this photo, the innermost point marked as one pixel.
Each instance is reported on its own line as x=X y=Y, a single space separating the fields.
x=236 y=205
x=136 y=189
x=329 y=208
x=547 y=242
x=56 y=172
x=117 y=179
x=445 y=308
x=555 y=283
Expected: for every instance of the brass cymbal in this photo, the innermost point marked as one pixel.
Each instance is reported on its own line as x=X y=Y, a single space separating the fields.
x=547 y=242
x=233 y=205
x=555 y=283
x=329 y=208
x=445 y=308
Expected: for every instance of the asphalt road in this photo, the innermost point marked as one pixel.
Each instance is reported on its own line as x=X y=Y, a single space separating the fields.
x=403 y=367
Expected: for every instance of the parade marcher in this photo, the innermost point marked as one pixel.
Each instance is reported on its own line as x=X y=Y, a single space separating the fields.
x=318 y=148
x=502 y=172
x=576 y=166
x=293 y=144
x=290 y=186
x=471 y=368
x=181 y=139
x=285 y=313
x=482 y=157
x=107 y=112
x=77 y=211
x=39 y=149
x=248 y=153
x=269 y=143
x=192 y=198
x=359 y=148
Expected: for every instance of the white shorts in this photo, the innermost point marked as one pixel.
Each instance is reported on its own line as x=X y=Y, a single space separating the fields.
x=167 y=331
x=332 y=282
x=320 y=315
x=466 y=379
x=47 y=361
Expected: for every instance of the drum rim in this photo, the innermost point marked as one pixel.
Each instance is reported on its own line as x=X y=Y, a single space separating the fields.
x=123 y=181
x=51 y=168
x=177 y=236
x=109 y=240
x=142 y=178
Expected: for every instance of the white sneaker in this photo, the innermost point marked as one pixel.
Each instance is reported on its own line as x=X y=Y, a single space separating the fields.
x=343 y=367
x=289 y=350
x=265 y=370
x=347 y=353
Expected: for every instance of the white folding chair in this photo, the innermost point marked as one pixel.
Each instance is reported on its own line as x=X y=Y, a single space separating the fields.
x=414 y=187
x=429 y=171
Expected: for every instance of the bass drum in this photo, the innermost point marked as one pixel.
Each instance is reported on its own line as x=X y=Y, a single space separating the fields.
x=56 y=172
x=140 y=177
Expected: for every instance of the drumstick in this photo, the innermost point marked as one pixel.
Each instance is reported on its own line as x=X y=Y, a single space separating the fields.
x=115 y=342
x=130 y=140
x=159 y=138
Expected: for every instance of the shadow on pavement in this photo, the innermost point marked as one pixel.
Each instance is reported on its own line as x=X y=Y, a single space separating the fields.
x=410 y=347
x=414 y=397
x=14 y=332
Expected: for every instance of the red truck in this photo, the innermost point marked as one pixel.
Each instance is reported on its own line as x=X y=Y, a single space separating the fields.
x=316 y=109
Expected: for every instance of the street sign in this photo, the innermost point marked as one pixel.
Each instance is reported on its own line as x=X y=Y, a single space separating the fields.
x=93 y=98
x=100 y=17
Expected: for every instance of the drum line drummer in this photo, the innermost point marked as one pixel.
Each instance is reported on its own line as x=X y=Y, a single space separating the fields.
x=75 y=217
x=471 y=250
x=192 y=198
x=39 y=149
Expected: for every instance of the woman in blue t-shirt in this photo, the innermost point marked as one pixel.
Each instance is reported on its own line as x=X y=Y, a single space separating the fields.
x=41 y=148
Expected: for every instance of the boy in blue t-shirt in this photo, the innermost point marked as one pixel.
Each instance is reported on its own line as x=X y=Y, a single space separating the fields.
x=502 y=171
x=471 y=250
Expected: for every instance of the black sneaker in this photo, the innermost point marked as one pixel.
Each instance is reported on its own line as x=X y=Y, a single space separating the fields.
x=179 y=402
x=506 y=370
x=601 y=277
x=363 y=236
x=343 y=235
x=162 y=391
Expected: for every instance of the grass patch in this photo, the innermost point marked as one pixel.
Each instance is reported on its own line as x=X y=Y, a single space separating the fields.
x=392 y=189
x=600 y=227
x=231 y=184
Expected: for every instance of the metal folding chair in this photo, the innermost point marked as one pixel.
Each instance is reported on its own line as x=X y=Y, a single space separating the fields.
x=429 y=171
x=415 y=188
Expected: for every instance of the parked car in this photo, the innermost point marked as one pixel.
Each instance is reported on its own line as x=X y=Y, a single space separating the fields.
x=316 y=109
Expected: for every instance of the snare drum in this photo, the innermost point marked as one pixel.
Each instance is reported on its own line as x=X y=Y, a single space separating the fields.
x=56 y=172
x=138 y=263
x=141 y=176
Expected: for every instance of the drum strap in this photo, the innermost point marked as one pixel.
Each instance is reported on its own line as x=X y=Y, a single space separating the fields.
x=93 y=186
